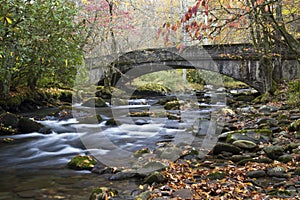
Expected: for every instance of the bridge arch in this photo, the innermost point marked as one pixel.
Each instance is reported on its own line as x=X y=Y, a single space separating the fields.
x=239 y=61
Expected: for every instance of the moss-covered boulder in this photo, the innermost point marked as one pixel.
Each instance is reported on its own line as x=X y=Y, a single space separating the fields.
x=82 y=163
x=103 y=193
x=172 y=105
x=151 y=89
x=274 y=152
x=27 y=125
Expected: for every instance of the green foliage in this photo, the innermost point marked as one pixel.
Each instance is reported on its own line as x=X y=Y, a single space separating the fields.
x=155 y=87
x=39 y=43
x=194 y=76
x=170 y=78
x=294 y=93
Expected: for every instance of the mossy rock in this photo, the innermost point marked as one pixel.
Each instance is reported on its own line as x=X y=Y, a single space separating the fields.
x=174 y=117
x=82 y=163
x=151 y=89
x=140 y=114
x=26 y=125
x=274 y=152
x=297 y=172
x=166 y=100
x=285 y=158
x=91 y=120
x=172 y=105
x=253 y=135
x=219 y=147
x=216 y=175
x=103 y=193
x=155 y=177
x=95 y=102
x=140 y=152
x=111 y=122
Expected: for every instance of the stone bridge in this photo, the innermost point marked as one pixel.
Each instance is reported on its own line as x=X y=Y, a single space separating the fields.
x=239 y=61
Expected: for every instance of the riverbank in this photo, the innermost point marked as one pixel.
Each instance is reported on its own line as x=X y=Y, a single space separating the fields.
x=257 y=156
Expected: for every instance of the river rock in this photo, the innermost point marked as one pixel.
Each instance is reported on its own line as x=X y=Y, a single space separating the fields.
x=151 y=167
x=172 y=105
x=256 y=174
x=253 y=135
x=172 y=124
x=9 y=120
x=285 y=158
x=111 y=122
x=279 y=172
x=268 y=109
x=144 y=195
x=123 y=175
x=95 y=102
x=141 y=122
x=274 y=152
x=170 y=153
x=140 y=152
x=244 y=144
x=266 y=120
x=103 y=193
x=26 y=125
x=219 y=147
x=82 y=163
x=182 y=194
x=155 y=177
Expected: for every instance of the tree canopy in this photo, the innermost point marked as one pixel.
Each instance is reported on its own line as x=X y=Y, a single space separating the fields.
x=39 y=43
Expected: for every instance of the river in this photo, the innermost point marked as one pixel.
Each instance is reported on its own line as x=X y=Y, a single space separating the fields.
x=33 y=166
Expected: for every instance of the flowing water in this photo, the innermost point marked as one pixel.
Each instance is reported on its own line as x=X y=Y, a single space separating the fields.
x=33 y=166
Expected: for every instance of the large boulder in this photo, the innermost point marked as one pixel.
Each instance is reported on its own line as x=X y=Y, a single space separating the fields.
x=27 y=125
